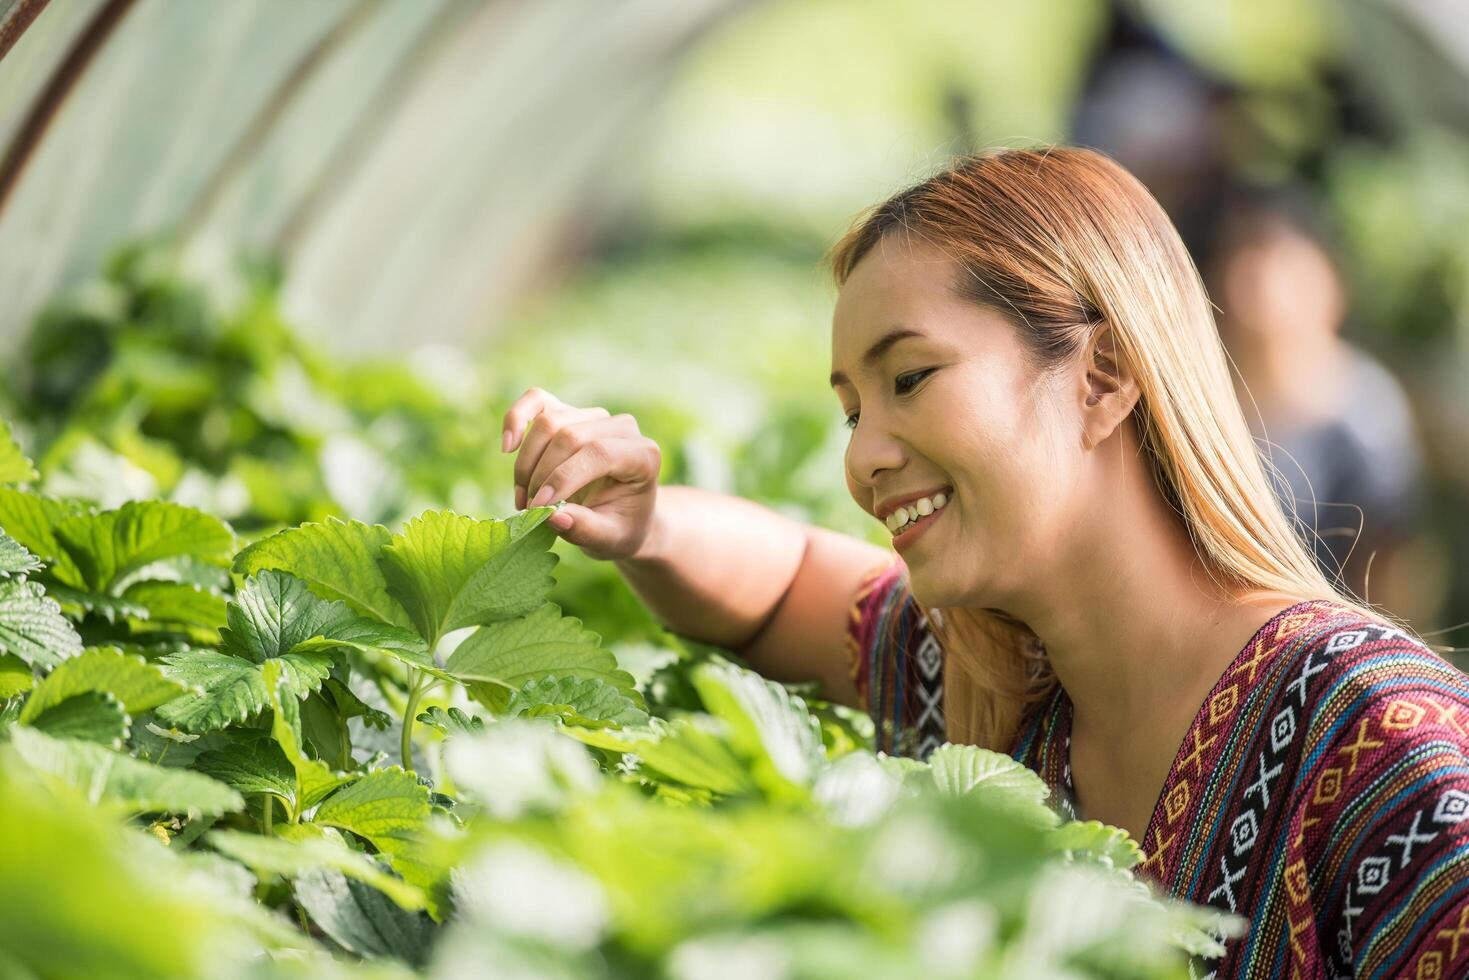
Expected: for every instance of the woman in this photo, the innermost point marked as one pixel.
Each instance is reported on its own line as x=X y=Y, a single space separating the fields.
x=1089 y=549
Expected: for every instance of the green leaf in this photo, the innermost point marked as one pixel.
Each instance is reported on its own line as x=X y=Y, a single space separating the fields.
x=585 y=701
x=387 y=807
x=77 y=603
x=14 y=466
x=15 y=676
x=93 y=716
x=31 y=519
x=498 y=659
x=140 y=686
x=451 y=722
x=314 y=779
x=250 y=766
x=338 y=560
x=15 y=559
x=962 y=769
x=235 y=689
x=362 y=920
x=276 y=614
x=32 y=626
x=63 y=859
x=349 y=705
x=102 y=775
x=857 y=789
x=185 y=570
x=112 y=544
x=165 y=604
x=304 y=848
x=767 y=725
x=693 y=756
x=1093 y=840
x=450 y=571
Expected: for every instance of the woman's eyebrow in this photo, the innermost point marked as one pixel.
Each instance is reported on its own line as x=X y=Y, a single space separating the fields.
x=878 y=351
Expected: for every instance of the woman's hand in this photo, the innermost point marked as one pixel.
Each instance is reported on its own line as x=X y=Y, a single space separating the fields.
x=601 y=463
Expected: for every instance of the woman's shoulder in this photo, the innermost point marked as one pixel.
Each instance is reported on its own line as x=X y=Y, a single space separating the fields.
x=1348 y=662
x=1381 y=811
x=896 y=662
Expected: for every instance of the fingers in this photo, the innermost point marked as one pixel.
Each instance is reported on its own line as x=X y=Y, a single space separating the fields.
x=582 y=526
x=520 y=413
x=573 y=438
x=633 y=460
x=543 y=428
x=524 y=410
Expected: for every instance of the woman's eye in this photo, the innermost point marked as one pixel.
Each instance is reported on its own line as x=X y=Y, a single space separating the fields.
x=911 y=379
x=903 y=384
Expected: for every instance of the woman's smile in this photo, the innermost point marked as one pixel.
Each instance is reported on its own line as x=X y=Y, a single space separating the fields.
x=913 y=529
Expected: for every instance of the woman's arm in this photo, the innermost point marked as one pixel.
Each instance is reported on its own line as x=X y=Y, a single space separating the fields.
x=711 y=566
x=731 y=572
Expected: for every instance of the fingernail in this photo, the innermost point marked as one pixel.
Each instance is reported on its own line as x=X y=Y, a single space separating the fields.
x=505 y=441
x=559 y=520
x=543 y=495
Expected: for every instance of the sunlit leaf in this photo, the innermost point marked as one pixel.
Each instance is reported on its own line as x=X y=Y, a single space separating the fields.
x=109 y=545
x=498 y=659
x=138 y=684
x=102 y=775
x=451 y=722
x=304 y=848
x=768 y=726
x=387 y=807
x=32 y=626
x=15 y=676
x=338 y=560
x=15 y=559
x=250 y=766
x=586 y=701
x=234 y=688
x=93 y=716
x=14 y=466
x=32 y=520
x=314 y=779
x=450 y=571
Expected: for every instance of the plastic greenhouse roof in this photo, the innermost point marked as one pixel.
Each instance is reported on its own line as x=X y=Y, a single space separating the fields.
x=414 y=163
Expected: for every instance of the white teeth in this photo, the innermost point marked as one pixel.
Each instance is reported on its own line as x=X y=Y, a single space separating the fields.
x=922 y=507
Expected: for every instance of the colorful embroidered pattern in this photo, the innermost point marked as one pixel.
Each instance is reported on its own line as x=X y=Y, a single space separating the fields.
x=1322 y=791
x=896 y=663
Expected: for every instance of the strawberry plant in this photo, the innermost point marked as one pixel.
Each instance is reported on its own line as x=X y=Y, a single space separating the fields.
x=198 y=729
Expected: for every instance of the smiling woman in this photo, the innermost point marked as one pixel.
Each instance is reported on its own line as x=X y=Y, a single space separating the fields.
x=1117 y=599
x=1093 y=571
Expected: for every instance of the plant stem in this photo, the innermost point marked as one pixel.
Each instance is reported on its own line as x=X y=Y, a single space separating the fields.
x=419 y=686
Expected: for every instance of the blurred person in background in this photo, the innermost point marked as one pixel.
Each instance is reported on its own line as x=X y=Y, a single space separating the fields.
x=1333 y=421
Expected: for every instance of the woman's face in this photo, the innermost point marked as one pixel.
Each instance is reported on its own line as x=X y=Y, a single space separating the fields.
x=955 y=406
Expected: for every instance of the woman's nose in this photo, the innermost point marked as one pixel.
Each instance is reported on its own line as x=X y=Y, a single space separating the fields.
x=870 y=452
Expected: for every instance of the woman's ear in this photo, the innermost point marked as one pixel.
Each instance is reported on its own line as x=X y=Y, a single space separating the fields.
x=1109 y=390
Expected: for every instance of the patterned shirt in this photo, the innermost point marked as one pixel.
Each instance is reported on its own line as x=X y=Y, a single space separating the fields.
x=1322 y=790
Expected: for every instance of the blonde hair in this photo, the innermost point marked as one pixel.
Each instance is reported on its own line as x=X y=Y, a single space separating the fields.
x=1061 y=240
